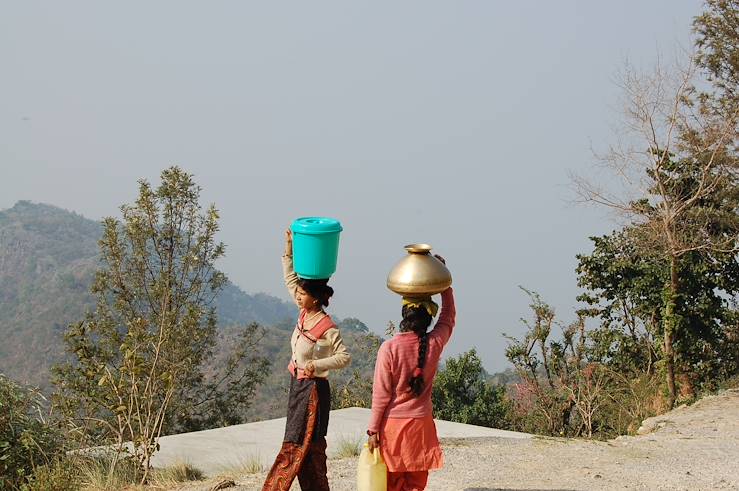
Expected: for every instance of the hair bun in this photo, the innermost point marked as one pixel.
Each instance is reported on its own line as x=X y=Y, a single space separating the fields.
x=318 y=289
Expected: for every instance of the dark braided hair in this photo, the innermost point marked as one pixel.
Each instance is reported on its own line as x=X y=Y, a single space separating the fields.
x=417 y=319
x=317 y=289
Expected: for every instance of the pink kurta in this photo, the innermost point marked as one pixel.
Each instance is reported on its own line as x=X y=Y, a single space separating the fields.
x=408 y=439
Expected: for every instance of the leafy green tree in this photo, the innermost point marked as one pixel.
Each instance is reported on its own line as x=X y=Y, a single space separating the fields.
x=462 y=394
x=137 y=359
x=626 y=289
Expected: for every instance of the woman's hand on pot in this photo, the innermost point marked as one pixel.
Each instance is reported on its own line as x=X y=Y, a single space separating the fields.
x=309 y=369
x=440 y=258
x=373 y=442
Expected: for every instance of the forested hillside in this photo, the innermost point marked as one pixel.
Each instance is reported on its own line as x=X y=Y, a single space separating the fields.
x=48 y=258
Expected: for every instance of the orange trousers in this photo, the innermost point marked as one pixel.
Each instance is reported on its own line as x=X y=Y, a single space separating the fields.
x=407 y=481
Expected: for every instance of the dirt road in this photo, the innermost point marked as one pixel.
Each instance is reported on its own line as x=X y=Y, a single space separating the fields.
x=691 y=448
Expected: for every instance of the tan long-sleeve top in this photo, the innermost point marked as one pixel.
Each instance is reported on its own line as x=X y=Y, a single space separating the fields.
x=329 y=352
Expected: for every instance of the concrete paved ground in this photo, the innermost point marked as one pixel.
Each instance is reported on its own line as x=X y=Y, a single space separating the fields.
x=215 y=451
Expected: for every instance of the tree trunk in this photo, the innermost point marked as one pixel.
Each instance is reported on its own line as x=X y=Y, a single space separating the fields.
x=670 y=327
x=545 y=361
x=567 y=413
x=650 y=339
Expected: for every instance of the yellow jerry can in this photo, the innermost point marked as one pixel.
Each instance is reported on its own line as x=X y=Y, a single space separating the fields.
x=371 y=471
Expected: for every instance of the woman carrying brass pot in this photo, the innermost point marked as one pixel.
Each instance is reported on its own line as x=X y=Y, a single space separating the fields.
x=402 y=423
x=317 y=348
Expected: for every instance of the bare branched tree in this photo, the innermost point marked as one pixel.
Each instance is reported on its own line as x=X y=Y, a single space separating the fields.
x=675 y=170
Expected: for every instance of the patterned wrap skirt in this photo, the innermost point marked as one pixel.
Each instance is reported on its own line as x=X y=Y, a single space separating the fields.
x=297 y=409
x=303 y=452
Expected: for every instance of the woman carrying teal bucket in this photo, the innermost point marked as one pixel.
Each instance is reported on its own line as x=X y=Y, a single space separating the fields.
x=317 y=348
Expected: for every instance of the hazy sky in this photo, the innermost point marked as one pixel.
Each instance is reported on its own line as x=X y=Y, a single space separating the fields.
x=453 y=123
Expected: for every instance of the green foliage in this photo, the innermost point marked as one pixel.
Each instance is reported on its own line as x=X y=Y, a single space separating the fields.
x=689 y=221
x=717 y=41
x=462 y=394
x=138 y=359
x=625 y=289
x=627 y=400
x=61 y=474
x=26 y=440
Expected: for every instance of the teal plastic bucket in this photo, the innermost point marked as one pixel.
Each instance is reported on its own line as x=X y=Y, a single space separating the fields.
x=315 y=246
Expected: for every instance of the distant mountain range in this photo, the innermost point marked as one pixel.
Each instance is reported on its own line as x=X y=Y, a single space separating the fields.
x=48 y=257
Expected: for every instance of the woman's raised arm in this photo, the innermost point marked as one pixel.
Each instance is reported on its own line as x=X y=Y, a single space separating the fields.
x=291 y=278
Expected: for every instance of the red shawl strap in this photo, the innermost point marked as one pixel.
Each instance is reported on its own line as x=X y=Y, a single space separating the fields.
x=318 y=330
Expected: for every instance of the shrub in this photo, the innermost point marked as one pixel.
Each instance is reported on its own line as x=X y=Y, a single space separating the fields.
x=59 y=475
x=26 y=440
x=462 y=394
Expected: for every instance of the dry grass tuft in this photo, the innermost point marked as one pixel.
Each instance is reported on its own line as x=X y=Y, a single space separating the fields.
x=348 y=446
x=177 y=473
x=251 y=464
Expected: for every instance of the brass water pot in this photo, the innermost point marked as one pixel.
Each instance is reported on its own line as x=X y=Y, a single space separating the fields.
x=419 y=273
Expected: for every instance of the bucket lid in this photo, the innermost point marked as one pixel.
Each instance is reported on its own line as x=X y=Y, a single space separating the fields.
x=316 y=225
